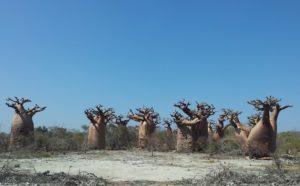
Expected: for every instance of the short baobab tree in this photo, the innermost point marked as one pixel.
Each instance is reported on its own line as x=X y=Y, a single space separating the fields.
x=242 y=131
x=149 y=119
x=204 y=111
x=22 y=129
x=220 y=128
x=99 y=118
x=262 y=137
x=185 y=141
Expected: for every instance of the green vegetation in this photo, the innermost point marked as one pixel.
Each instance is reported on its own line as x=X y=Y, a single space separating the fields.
x=288 y=143
x=120 y=137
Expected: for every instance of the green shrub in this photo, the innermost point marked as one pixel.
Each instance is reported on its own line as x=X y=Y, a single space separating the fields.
x=161 y=141
x=58 y=139
x=226 y=146
x=4 y=142
x=288 y=143
x=120 y=137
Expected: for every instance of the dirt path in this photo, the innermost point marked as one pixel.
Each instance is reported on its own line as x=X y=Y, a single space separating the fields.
x=136 y=165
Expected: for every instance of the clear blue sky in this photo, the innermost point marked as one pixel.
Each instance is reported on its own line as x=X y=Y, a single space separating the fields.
x=71 y=55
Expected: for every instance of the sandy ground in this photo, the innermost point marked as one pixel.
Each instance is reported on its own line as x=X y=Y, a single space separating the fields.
x=137 y=165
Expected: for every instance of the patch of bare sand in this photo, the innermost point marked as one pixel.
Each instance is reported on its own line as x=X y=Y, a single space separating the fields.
x=137 y=165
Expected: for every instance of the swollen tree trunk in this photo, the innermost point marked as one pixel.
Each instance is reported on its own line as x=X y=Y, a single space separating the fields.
x=148 y=120
x=262 y=138
x=99 y=118
x=185 y=141
x=192 y=130
x=22 y=128
x=96 y=136
x=144 y=134
x=200 y=132
x=22 y=131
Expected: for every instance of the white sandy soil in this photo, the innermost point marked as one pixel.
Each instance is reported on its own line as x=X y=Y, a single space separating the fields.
x=137 y=165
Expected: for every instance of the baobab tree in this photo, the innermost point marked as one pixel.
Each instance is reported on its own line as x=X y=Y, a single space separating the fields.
x=149 y=119
x=167 y=122
x=220 y=128
x=204 y=111
x=22 y=129
x=192 y=130
x=99 y=118
x=242 y=131
x=262 y=138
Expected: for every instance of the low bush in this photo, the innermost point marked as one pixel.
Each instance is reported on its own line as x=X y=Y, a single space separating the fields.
x=58 y=139
x=162 y=141
x=288 y=143
x=120 y=137
x=226 y=146
x=4 y=142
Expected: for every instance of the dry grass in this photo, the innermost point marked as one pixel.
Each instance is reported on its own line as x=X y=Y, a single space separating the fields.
x=10 y=176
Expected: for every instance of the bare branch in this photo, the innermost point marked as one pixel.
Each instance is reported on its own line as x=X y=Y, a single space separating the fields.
x=121 y=121
x=105 y=115
x=205 y=110
x=11 y=105
x=144 y=114
x=90 y=115
x=35 y=110
x=254 y=119
x=184 y=106
x=268 y=103
x=285 y=107
x=167 y=122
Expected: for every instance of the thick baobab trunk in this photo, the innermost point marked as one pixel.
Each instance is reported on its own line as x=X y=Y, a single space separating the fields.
x=96 y=136
x=262 y=138
x=200 y=132
x=148 y=119
x=22 y=129
x=185 y=141
x=192 y=130
x=144 y=136
x=99 y=118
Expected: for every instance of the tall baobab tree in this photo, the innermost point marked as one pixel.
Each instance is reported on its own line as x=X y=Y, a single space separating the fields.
x=262 y=138
x=99 y=118
x=149 y=119
x=22 y=129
